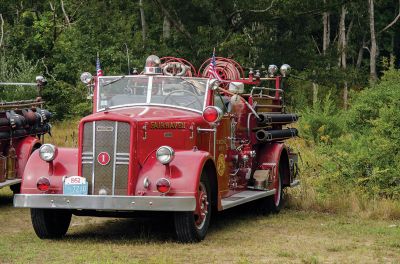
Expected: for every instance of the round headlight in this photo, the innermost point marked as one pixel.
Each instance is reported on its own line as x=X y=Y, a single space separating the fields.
x=165 y=154
x=86 y=77
x=48 y=152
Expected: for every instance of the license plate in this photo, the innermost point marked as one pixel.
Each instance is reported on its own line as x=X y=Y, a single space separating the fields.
x=75 y=185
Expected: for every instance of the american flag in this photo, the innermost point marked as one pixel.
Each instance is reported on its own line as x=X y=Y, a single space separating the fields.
x=98 y=68
x=212 y=69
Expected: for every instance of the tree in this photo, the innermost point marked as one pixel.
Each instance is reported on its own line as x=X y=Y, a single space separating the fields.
x=373 y=49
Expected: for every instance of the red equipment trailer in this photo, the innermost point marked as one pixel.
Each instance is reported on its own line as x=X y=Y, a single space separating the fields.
x=164 y=140
x=22 y=125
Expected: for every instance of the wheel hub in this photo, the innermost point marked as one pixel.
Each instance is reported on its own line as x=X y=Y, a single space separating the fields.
x=201 y=212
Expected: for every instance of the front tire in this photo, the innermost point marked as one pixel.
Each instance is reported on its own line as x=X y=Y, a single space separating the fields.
x=192 y=227
x=50 y=223
x=16 y=188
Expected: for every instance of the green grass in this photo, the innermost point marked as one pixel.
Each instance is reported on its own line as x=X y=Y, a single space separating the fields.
x=236 y=236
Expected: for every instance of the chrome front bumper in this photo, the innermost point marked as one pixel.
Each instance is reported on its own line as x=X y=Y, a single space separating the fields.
x=106 y=203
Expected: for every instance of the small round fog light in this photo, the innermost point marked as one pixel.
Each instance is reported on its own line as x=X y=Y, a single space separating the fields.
x=43 y=184
x=163 y=185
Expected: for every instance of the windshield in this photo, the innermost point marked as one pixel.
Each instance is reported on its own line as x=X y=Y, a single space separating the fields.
x=158 y=90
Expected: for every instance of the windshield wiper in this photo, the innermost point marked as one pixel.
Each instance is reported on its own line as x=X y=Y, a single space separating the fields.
x=114 y=81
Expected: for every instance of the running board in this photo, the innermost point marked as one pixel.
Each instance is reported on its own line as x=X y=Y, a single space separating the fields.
x=244 y=197
x=9 y=182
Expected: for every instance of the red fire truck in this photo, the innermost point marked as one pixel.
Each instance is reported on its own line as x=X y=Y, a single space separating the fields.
x=169 y=139
x=23 y=123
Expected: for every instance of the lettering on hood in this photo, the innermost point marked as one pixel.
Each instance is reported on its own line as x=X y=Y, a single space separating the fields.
x=167 y=125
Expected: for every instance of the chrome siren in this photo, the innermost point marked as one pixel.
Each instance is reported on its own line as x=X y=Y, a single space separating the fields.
x=152 y=65
x=285 y=70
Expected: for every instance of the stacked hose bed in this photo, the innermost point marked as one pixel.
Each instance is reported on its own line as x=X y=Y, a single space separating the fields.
x=23 y=122
x=265 y=134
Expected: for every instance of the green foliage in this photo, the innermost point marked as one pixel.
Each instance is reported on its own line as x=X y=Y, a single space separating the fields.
x=366 y=155
x=19 y=70
x=322 y=122
x=65 y=100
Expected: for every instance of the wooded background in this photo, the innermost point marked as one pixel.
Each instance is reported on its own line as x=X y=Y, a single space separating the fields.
x=336 y=44
x=345 y=81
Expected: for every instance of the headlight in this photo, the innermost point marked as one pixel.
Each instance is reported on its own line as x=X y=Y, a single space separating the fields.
x=48 y=152
x=165 y=154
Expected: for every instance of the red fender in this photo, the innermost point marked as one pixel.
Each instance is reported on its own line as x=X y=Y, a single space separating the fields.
x=24 y=148
x=183 y=172
x=65 y=164
x=274 y=153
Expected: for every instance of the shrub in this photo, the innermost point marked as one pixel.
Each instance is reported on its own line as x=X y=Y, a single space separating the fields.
x=364 y=142
x=322 y=122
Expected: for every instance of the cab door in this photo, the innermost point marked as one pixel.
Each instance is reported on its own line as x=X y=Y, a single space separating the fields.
x=223 y=160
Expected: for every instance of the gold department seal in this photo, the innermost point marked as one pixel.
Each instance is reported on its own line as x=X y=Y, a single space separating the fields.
x=221 y=164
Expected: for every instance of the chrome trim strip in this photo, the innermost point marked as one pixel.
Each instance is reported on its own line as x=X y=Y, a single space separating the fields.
x=118 y=158
x=149 y=89
x=106 y=202
x=94 y=151
x=244 y=197
x=295 y=183
x=206 y=129
x=248 y=124
x=87 y=162
x=122 y=163
x=206 y=94
x=87 y=153
x=122 y=154
x=215 y=143
x=115 y=157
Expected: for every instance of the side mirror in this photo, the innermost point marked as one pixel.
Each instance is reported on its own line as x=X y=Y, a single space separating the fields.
x=213 y=84
x=86 y=78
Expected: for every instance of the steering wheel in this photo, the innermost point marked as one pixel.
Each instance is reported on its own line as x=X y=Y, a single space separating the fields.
x=174 y=102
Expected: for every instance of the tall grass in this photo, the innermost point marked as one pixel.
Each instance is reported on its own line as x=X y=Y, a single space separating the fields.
x=64 y=133
x=313 y=194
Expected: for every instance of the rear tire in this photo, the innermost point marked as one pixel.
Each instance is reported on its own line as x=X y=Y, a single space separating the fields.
x=192 y=227
x=50 y=223
x=276 y=202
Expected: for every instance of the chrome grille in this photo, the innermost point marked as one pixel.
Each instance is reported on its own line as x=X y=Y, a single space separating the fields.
x=111 y=137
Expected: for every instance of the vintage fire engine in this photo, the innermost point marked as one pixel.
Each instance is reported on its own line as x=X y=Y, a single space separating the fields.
x=170 y=139
x=22 y=126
